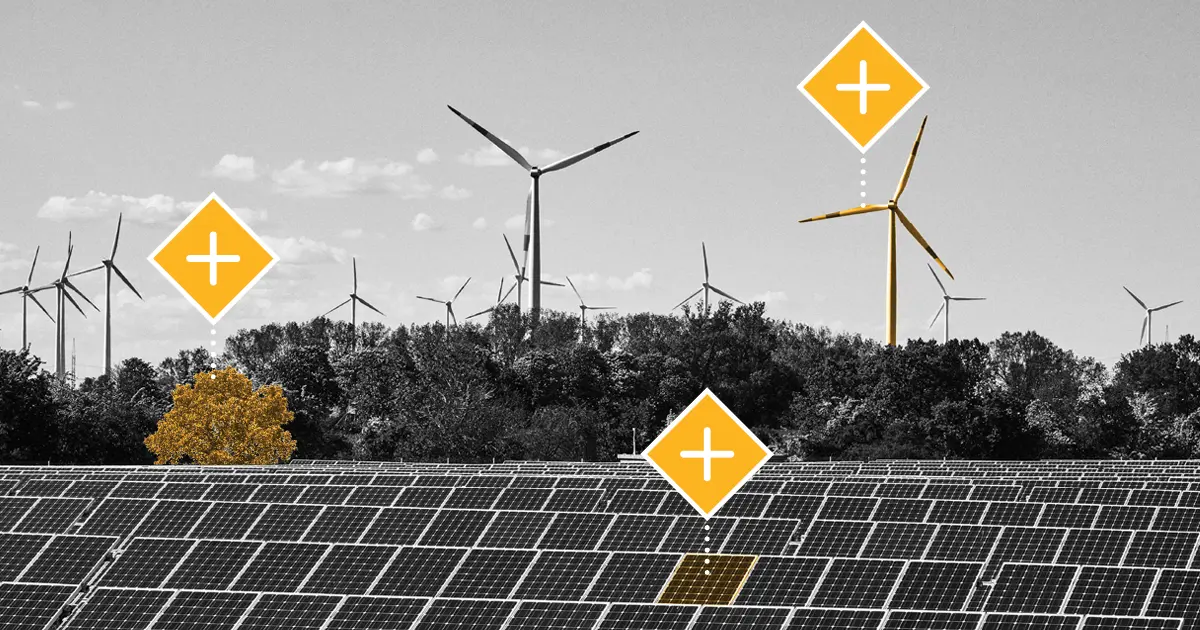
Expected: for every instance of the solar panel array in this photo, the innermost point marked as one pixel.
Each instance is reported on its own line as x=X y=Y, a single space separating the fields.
x=889 y=545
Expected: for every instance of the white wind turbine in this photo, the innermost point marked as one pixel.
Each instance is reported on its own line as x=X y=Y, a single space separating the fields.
x=584 y=308
x=449 y=304
x=354 y=300
x=500 y=297
x=1148 y=321
x=520 y=273
x=63 y=287
x=27 y=294
x=533 y=217
x=109 y=268
x=946 y=300
x=705 y=286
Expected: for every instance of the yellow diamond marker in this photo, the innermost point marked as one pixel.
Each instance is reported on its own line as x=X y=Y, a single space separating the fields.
x=707 y=453
x=707 y=579
x=863 y=87
x=213 y=258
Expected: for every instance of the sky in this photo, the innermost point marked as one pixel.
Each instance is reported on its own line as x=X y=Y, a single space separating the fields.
x=1057 y=165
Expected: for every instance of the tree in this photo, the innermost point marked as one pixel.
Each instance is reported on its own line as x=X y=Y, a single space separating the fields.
x=222 y=419
x=27 y=409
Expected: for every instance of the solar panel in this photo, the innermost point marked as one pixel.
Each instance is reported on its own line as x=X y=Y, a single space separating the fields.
x=42 y=488
x=1177 y=519
x=376 y=613
x=834 y=538
x=90 y=489
x=1029 y=622
x=962 y=542
x=146 y=562
x=279 y=567
x=465 y=615
x=489 y=573
x=1025 y=544
x=555 y=616
x=429 y=497
x=1067 y=515
x=1034 y=588
x=116 y=517
x=573 y=500
x=857 y=583
x=228 y=520
x=1094 y=546
x=1110 y=591
x=182 y=491
x=636 y=501
x=632 y=532
x=16 y=550
x=338 y=523
x=647 y=617
x=1131 y=623
x=284 y=522
x=522 y=498
x=456 y=528
x=480 y=498
x=930 y=620
x=67 y=559
x=759 y=536
x=935 y=585
x=397 y=526
x=212 y=564
x=1177 y=594
x=348 y=569
x=119 y=609
x=722 y=618
x=136 y=490
x=211 y=611
x=910 y=510
x=1160 y=549
x=12 y=509
x=298 y=612
x=277 y=493
x=373 y=495
x=707 y=579
x=418 y=571
x=324 y=495
x=561 y=575
x=801 y=508
x=745 y=504
x=171 y=519
x=51 y=516
x=31 y=605
x=817 y=619
x=633 y=577
x=847 y=508
x=229 y=492
x=1124 y=517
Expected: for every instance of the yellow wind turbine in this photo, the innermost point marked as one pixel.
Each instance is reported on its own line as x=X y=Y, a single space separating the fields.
x=894 y=213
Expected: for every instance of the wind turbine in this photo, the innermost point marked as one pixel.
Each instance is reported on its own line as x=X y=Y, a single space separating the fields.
x=705 y=286
x=449 y=304
x=109 y=267
x=26 y=295
x=584 y=308
x=946 y=300
x=500 y=297
x=64 y=286
x=1148 y=321
x=533 y=217
x=520 y=273
x=354 y=300
x=894 y=212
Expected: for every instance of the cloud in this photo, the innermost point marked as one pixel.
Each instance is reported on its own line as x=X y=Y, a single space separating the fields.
x=304 y=251
x=480 y=223
x=453 y=193
x=10 y=257
x=352 y=233
x=517 y=222
x=451 y=284
x=64 y=105
x=152 y=210
x=423 y=222
x=490 y=155
x=349 y=176
x=427 y=156
x=770 y=297
x=235 y=167
x=637 y=280
x=27 y=104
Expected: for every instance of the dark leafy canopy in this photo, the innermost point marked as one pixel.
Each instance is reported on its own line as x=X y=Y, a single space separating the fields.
x=494 y=391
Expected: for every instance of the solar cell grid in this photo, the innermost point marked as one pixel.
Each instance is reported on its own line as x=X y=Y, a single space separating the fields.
x=1124 y=517
x=1154 y=497
x=1029 y=622
x=51 y=516
x=1110 y=591
x=212 y=564
x=816 y=619
x=190 y=610
x=340 y=523
x=348 y=569
x=418 y=571
x=573 y=500
x=1130 y=623
x=561 y=575
x=489 y=573
x=16 y=550
x=647 y=617
x=309 y=479
x=522 y=499
x=436 y=480
x=12 y=509
x=935 y=585
x=762 y=486
x=1177 y=594
x=31 y=605
x=760 y=536
x=90 y=489
x=1045 y=494
x=146 y=562
x=575 y=531
x=279 y=567
x=745 y=504
x=397 y=526
x=282 y=521
x=802 y=508
x=994 y=493
x=633 y=577
x=517 y=530
x=857 y=583
x=465 y=615
x=693 y=534
x=1105 y=496
x=67 y=559
x=374 y=495
x=174 y=490
x=946 y=491
x=900 y=490
x=578 y=482
x=847 y=508
x=908 y=510
x=489 y=481
x=962 y=542
x=472 y=497
x=834 y=538
x=555 y=616
x=346 y=479
x=928 y=620
x=636 y=501
x=42 y=488
x=636 y=532
x=898 y=540
x=1178 y=519
x=227 y=520
x=392 y=480
x=113 y=609
x=1034 y=588
x=231 y=492
x=1094 y=546
x=116 y=517
x=324 y=495
x=376 y=613
x=817 y=488
x=456 y=528
x=136 y=490
x=1067 y=515
x=707 y=579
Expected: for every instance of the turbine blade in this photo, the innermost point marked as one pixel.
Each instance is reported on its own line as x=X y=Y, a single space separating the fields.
x=688 y=298
x=601 y=308
x=574 y=289
x=116 y=237
x=510 y=290
x=421 y=297
x=704 y=250
x=1142 y=336
x=368 y=305
x=39 y=305
x=967 y=299
x=450 y=310
x=34 y=264
x=483 y=312
x=939 y=280
x=500 y=291
x=326 y=313
x=460 y=290
x=1159 y=308
x=846 y=213
x=937 y=314
x=500 y=144
x=911 y=158
x=70 y=250
x=127 y=282
x=512 y=255
x=88 y=270
x=13 y=290
x=1139 y=300
x=354 y=264
x=583 y=155
x=528 y=223
x=552 y=284
x=70 y=299
x=912 y=229
x=720 y=292
x=74 y=288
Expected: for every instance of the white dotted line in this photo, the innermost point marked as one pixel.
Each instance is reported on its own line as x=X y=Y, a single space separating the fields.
x=706 y=550
x=213 y=342
x=862 y=182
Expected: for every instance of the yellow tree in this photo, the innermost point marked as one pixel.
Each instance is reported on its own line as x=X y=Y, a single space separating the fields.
x=222 y=419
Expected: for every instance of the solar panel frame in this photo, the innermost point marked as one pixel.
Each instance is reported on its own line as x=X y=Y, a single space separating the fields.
x=146 y=562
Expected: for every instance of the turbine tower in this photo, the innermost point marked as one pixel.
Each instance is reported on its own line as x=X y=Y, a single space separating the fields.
x=449 y=305
x=1148 y=321
x=894 y=212
x=533 y=217
x=520 y=273
x=354 y=300
x=500 y=297
x=109 y=268
x=584 y=308
x=705 y=286
x=26 y=295
x=64 y=286
x=946 y=300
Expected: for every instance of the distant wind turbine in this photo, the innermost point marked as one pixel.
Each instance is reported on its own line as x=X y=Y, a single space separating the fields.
x=354 y=300
x=27 y=294
x=532 y=246
x=706 y=286
x=449 y=304
x=63 y=287
x=946 y=300
x=500 y=297
x=520 y=273
x=894 y=213
x=1148 y=321
x=109 y=268
x=584 y=308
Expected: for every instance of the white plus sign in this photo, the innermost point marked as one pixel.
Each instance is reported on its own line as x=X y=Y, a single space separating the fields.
x=862 y=87
x=707 y=454
x=212 y=258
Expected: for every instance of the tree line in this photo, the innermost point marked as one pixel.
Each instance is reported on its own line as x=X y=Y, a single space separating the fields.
x=474 y=393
